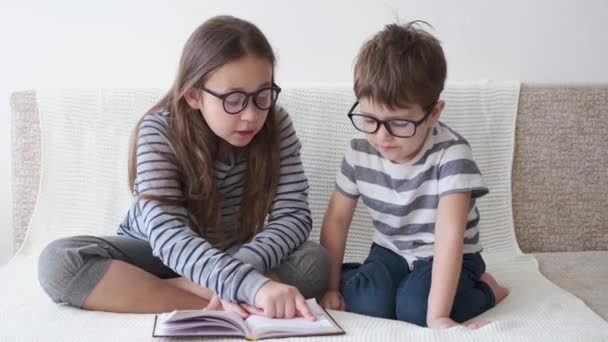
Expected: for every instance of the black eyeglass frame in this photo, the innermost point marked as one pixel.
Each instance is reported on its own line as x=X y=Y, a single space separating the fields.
x=386 y=123
x=247 y=95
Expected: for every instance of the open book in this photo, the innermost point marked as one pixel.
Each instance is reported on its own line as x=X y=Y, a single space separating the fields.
x=226 y=324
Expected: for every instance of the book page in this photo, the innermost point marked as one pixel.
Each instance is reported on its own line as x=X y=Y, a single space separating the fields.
x=262 y=327
x=201 y=323
x=195 y=329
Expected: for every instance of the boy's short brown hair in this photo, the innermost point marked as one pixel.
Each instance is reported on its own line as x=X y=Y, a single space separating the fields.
x=400 y=66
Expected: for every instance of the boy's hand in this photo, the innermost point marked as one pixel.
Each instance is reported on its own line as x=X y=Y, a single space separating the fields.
x=476 y=324
x=440 y=323
x=282 y=301
x=446 y=322
x=243 y=310
x=333 y=300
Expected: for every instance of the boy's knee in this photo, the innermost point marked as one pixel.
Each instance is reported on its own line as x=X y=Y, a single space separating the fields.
x=308 y=269
x=369 y=290
x=376 y=302
x=61 y=262
x=412 y=308
x=371 y=305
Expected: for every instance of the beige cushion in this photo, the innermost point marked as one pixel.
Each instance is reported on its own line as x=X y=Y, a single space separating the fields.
x=584 y=274
x=560 y=182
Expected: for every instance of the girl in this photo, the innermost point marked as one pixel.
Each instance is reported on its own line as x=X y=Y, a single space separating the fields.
x=209 y=164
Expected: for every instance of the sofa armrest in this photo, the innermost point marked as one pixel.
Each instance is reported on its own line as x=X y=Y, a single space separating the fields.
x=25 y=168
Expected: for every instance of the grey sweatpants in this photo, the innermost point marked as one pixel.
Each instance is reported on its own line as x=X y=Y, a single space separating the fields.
x=69 y=268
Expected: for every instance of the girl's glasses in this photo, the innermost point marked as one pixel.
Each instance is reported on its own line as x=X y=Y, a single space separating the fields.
x=236 y=101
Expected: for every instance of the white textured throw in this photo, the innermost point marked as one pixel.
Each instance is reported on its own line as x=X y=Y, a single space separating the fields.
x=83 y=190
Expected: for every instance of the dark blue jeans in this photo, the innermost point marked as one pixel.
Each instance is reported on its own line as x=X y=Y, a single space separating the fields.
x=383 y=286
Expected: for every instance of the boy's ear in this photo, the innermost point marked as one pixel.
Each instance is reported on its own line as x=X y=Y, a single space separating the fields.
x=437 y=110
x=193 y=98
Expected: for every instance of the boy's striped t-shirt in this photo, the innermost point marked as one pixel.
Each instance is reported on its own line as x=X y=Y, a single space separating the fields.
x=238 y=273
x=402 y=199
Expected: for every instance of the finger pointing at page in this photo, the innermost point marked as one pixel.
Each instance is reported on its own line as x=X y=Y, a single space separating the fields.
x=303 y=308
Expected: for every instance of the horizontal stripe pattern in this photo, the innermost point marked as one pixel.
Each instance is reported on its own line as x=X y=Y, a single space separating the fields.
x=403 y=199
x=236 y=276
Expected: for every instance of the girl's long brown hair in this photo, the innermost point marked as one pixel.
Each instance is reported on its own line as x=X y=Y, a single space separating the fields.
x=216 y=42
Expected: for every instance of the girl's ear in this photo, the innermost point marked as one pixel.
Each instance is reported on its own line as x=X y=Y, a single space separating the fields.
x=193 y=98
x=437 y=109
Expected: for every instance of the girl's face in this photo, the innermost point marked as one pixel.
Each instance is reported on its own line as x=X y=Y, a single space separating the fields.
x=248 y=74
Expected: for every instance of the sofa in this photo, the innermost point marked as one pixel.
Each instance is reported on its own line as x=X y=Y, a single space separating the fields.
x=555 y=198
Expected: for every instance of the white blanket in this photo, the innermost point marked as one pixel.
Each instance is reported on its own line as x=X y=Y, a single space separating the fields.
x=83 y=190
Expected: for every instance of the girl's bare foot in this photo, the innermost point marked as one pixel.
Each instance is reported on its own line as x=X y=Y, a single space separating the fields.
x=500 y=292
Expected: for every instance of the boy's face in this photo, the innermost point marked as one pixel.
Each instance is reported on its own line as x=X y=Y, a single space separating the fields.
x=396 y=149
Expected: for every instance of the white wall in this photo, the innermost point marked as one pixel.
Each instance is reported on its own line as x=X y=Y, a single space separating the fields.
x=112 y=44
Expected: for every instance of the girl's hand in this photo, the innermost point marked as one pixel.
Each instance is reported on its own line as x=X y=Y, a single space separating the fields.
x=282 y=301
x=333 y=300
x=243 y=310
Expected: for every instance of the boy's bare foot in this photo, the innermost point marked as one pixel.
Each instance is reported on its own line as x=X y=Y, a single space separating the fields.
x=500 y=292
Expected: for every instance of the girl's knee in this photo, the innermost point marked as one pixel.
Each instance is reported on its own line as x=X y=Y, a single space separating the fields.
x=315 y=257
x=60 y=263
x=55 y=269
x=313 y=268
x=307 y=268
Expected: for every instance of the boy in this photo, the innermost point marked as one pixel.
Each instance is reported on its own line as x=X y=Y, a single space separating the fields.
x=419 y=181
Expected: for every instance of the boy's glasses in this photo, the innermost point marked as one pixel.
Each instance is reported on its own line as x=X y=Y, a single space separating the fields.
x=236 y=101
x=396 y=127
